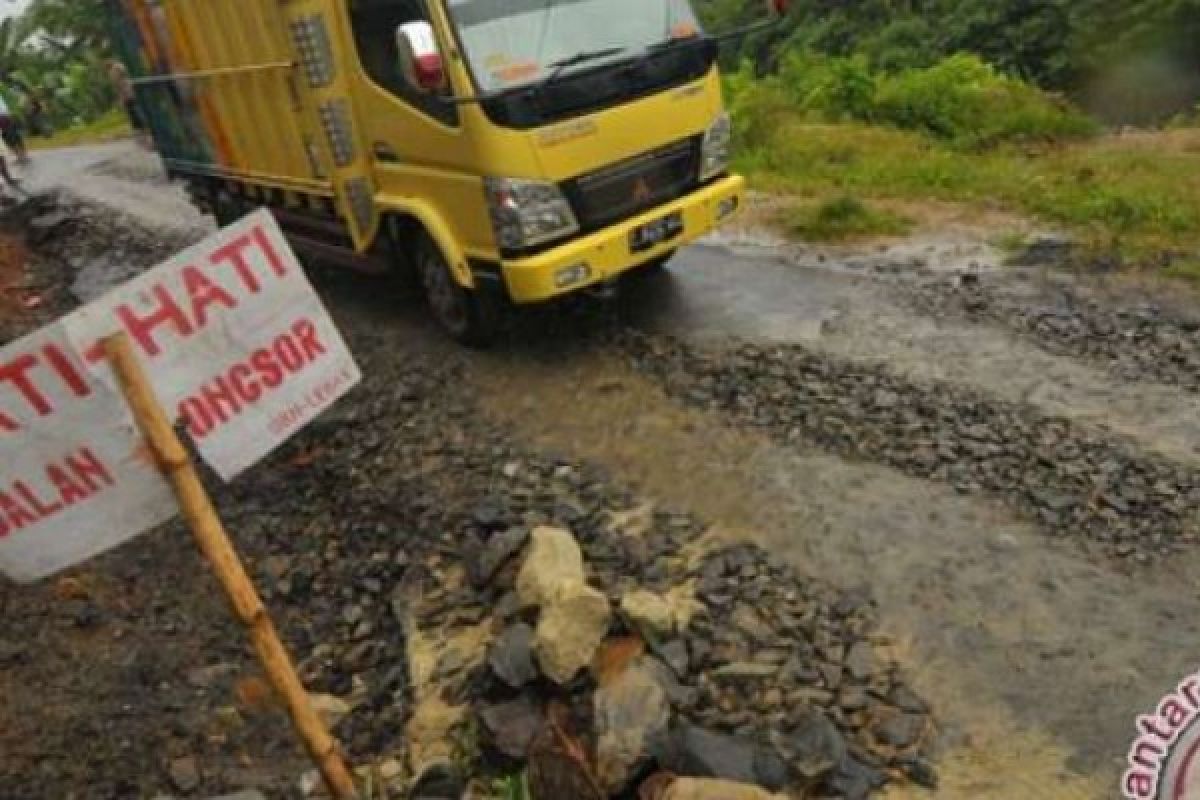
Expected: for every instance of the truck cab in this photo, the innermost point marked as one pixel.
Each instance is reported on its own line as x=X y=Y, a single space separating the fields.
x=508 y=150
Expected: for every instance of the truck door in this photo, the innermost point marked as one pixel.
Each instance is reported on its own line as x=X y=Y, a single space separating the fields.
x=322 y=61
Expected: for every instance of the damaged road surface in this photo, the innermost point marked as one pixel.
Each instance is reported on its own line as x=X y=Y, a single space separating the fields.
x=782 y=521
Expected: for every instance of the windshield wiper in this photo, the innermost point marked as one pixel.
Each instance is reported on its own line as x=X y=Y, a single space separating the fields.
x=558 y=67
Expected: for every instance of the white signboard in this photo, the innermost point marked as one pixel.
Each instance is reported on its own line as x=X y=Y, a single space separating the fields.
x=238 y=348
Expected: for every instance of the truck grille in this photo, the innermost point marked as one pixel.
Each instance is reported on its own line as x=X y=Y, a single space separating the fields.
x=618 y=192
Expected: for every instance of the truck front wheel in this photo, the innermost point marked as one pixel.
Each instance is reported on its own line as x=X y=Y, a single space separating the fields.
x=471 y=317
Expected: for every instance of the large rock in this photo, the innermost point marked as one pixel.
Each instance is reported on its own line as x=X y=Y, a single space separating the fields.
x=554 y=558
x=573 y=623
x=511 y=656
x=651 y=614
x=900 y=731
x=632 y=715
x=513 y=725
x=814 y=747
x=855 y=780
x=691 y=750
x=489 y=558
x=860 y=661
x=709 y=789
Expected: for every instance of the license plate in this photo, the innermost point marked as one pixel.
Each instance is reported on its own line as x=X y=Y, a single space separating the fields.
x=653 y=233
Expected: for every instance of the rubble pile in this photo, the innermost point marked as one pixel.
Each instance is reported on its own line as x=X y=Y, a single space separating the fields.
x=1073 y=481
x=759 y=678
x=458 y=598
x=1143 y=341
x=464 y=610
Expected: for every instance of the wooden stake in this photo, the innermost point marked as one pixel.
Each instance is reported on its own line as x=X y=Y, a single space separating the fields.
x=210 y=534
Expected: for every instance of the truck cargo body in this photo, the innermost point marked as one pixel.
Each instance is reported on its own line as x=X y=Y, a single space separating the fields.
x=523 y=149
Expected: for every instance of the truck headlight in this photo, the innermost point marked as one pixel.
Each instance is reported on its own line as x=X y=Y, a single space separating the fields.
x=528 y=213
x=718 y=145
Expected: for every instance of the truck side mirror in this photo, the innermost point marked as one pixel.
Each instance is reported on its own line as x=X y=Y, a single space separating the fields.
x=777 y=8
x=420 y=60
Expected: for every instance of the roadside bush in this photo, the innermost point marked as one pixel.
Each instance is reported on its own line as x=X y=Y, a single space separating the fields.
x=1190 y=119
x=758 y=107
x=965 y=100
x=836 y=89
x=960 y=100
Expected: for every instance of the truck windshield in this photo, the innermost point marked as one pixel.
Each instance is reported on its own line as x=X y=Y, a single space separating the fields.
x=515 y=43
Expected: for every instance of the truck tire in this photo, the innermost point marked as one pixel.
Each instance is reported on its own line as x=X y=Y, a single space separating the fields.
x=471 y=317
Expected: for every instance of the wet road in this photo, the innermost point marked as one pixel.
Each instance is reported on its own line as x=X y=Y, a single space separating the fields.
x=1036 y=655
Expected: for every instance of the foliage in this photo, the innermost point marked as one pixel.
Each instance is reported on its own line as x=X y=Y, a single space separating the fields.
x=52 y=56
x=111 y=125
x=1122 y=190
x=73 y=26
x=960 y=99
x=511 y=787
x=965 y=100
x=1127 y=59
x=843 y=217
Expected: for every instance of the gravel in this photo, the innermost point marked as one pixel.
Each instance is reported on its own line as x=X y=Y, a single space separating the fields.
x=353 y=532
x=1144 y=341
x=1074 y=481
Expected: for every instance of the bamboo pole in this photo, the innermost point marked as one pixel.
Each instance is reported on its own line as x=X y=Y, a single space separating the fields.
x=214 y=542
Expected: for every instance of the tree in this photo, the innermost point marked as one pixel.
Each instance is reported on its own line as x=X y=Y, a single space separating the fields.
x=1132 y=59
x=74 y=24
x=14 y=36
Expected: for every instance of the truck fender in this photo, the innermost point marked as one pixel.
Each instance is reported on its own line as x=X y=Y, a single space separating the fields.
x=432 y=222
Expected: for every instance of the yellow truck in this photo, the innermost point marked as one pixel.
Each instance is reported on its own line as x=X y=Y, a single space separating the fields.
x=505 y=150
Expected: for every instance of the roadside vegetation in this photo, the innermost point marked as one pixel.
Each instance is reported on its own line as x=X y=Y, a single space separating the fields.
x=842 y=217
x=52 y=71
x=107 y=127
x=833 y=131
x=849 y=115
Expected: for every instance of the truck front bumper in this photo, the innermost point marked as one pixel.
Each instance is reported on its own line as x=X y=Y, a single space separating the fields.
x=606 y=254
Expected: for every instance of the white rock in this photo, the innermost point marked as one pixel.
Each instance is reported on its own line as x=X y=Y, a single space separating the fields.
x=573 y=623
x=554 y=558
x=704 y=789
x=650 y=613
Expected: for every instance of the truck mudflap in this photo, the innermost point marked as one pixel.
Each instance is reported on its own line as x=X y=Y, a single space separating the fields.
x=606 y=254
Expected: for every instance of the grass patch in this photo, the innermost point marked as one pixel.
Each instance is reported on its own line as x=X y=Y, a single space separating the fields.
x=111 y=125
x=1010 y=242
x=1138 y=194
x=963 y=133
x=841 y=218
x=1185 y=270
